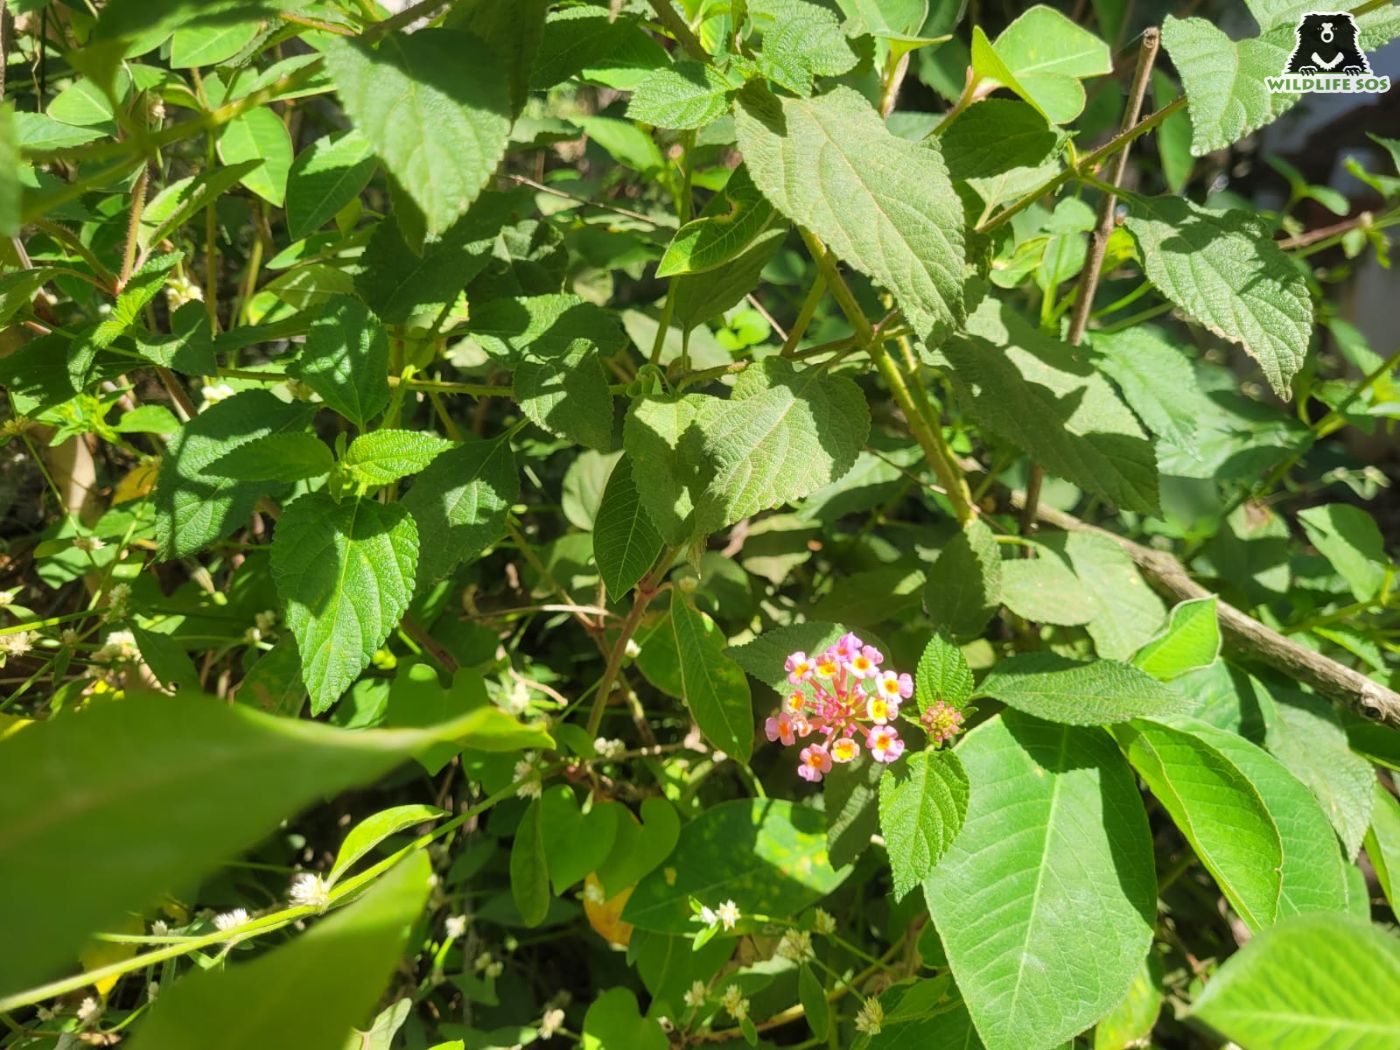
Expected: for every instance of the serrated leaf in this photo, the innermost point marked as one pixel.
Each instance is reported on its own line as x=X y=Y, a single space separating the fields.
x=1046 y=55
x=663 y=444
x=193 y=508
x=325 y=177
x=882 y=204
x=438 y=79
x=625 y=542
x=209 y=45
x=703 y=297
x=921 y=814
x=712 y=685
x=374 y=829
x=1348 y=538
x=596 y=45
x=1061 y=690
x=221 y=776
x=1191 y=640
x=996 y=136
x=144 y=285
x=686 y=95
x=942 y=675
x=783 y=870
x=1223 y=269
x=727 y=225
x=345 y=575
x=1034 y=391
x=801 y=41
x=782 y=434
x=260 y=135
x=345 y=961
x=460 y=504
x=346 y=360
x=383 y=456
x=1046 y=900
x=275 y=457
x=1129 y=610
x=1313 y=982
x=1044 y=589
x=763 y=657
x=963 y=589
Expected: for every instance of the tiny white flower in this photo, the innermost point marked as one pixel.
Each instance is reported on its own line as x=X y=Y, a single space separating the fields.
x=252 y=636
x=871 y=1017
x=823 y=922
x=231 y=919
x=735 y=1003
x=116 y=647
x=180 y=290
x=456 y=926
x=593 y=893
x=152 y=991
x=551 y=1022
x=88 y=543
x=518 y=698
x=728 y=914
x=309 y=888
x=68 y=636
x=45 y=1014
x=483 y=962
x=213 y=393
x=6 y=598
x=16 y=644
x=529 y=776
x=696 y=996
x=117 y=597
x=160 y=928
x=796 y=945
x=633 y=650
x=608 y=748
x=495 y=969
x=265 y=621
x=89 y=1010
x=708 y=916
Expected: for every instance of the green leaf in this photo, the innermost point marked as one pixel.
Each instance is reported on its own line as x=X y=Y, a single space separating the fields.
x=850 y=797
x=145 y=284
x=346 y=360
x=1348 y=538
x=764 y=656
x=1191 y=640
x=1130 y=1023
x=344 y=961
x=994 y=137
x=166 y=658
x=1129 y=610
x=730 y=222
x=130 y=18
x=373 y=830
x=882 y=204
x=801 y=41
x=702 y=297
x=578 y=842
x=275 y=457
x=529 y=870
x=210 y=45
x=921 y=814
x=259 y=134
x=1047 y=55
x=1033 y=390
x=1383 y=842
x=964 y=581
x=1044 y=589
x=148 y=419
x=178 y=202
x=439 y=79
x=384 y=456
x=639 y=848
x=1316 y=981
x=782 y=434
x=221 y=776
x=193 y=508
x=662 y=443
x=82 y=103
x=1223 y=269
x=942 y=675
x=1061 y=690
x=780 y=870
x=625 y=542
x=325 y=177
x=598 y=46
x=614 y=1022
x=513 y=32
x=1046 y=900
x=713 y=686
x=687 y=95
x=345 y=575
x=815 y=1008
x=10 y=191
x=37 y=133
x=460 y=503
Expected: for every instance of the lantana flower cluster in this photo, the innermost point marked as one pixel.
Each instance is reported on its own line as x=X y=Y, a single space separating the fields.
x=843 y=699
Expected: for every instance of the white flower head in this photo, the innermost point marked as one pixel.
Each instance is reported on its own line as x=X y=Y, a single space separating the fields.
x=456 y=926
x=483 y=962
x=309 y=888
x=871 y=1017
x=7 y=597
x=160 y=928
x=16 y=644
x=735 y=1003
x=551 y=1022
x=708 y=916
x=88 y=544
x=89 y=1010
x=152 y=991
x=495 y=969
x=696 y=995
x=823 y=922
x=117 y=597
x=117 y=647
x=593 y=893
x=230 y=920
x=728 y=914
x=213 y=393
x=265 y=620
x=796 y=945
x=518 y=698
x=180 y=290
x=608 y=748
x=529 y=776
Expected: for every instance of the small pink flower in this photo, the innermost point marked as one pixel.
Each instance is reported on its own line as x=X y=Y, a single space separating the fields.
x=847 y=646
x=862 y=666
x=796 y=701
x=895 y=686
x=798 y=667
x=815 y=764
x=884 y=744
x=802 y=725
x=880 y=709
x=844 y=750
x=780 y=728
x=828 y=664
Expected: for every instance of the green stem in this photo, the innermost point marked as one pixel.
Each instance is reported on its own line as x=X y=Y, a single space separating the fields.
x=805 y=313
x=647 y=588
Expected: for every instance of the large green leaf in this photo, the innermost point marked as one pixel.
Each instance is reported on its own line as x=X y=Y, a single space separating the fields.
x=435 y=105
x=1348 y=537
x=764 y=656
x=663 y=443
x=219 y=776
x=260 y=135
x=686 y=95
x=712 y=685
x=729 y=223
x=702 y=297
x=529 y=868
x=1047 y=898
x=460 y=504
x=964 y=583
x=210 y=45
x=1061 y=690
x=385 y=455
x=801 y=41
x=195 y=505
x=1190 y=640
x=942 y=675
x=881 y=203
x=625 y=542
x=1042 y=56
x=346 y=360
x=1044 y=589
x=782 y=434
x=922 y=808
x=1223 y=269
x=1315 y=981
x=1129 y=610
x=345 y=575
x=343 y=963
x=325 y=177
x=766 y=855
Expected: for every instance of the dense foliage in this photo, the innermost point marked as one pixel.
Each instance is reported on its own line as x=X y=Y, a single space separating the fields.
x=803 y=522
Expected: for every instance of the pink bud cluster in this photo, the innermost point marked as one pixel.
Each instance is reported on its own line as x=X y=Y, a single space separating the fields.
x=844 y=697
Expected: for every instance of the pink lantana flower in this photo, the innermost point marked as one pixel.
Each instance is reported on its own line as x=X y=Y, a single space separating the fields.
x=893 y=686
x=884 y=744
x=881 y=709
x=799 y=668
x=866 y=663
x=796 y=701
x=844 y=750
x=815 y=764
x=780 y=727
